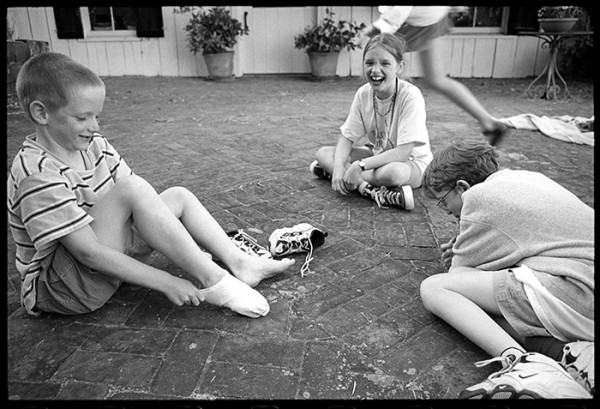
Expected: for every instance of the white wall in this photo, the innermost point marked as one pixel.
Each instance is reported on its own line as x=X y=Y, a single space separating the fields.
x=269 y=47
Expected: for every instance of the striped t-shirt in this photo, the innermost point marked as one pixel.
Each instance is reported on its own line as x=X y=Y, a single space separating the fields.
x=47 y=200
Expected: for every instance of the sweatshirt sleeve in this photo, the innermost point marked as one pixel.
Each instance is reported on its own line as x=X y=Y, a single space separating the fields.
x=392 y=18
x=482 y=246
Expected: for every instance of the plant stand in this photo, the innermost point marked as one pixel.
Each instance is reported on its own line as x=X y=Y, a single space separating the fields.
x=551 y=90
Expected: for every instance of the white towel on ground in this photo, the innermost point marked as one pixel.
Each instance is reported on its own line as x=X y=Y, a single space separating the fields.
x=565 y=128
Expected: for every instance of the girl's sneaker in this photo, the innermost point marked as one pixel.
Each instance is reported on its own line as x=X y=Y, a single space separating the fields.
x=384 y=197
x=316 y=169
x=248 y=244
x=578 y=361
x=531 y=376
x=297 y=239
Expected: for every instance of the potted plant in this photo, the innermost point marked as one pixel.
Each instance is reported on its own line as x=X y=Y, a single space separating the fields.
x=556 y=19
x=214 y=32
x=324 y=42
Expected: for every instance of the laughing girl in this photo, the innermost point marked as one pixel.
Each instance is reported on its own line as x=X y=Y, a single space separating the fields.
x=389 y=113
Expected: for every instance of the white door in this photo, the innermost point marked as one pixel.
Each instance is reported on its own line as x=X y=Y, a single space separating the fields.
x=269 y=46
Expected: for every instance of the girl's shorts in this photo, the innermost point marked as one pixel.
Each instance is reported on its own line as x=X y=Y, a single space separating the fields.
x=66 y=286
x=419 y=38
x=416 y=172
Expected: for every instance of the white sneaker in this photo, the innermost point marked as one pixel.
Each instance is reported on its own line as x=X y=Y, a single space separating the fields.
x=531 y=376
x=297 y=239
x=578 y=361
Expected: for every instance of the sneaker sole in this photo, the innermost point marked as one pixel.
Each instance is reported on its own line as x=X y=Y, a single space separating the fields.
x=409 y=200
x=317 y=170
x=499 y=392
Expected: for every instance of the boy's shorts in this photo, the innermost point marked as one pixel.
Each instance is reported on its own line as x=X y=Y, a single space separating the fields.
x=515 y=306
x=66 y=286
x=419 y=38
x=512 y=298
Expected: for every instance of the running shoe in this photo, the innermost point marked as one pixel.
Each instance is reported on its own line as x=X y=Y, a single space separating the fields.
x=384 y=196
x=531 y=376
x=248 y=244
x=316 y=169
x=578 y=361
x=297 y=239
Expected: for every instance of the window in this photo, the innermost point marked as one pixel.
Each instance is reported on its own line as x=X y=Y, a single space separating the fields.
x=112 y=18
x=478 y=19
x=108 y=22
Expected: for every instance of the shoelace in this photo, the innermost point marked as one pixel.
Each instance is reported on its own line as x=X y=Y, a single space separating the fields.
x=305 y=267
x=384 y=197
x=251 y=243
x=507 y=365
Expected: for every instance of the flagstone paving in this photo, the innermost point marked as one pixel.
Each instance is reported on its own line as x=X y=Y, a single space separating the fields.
x=353 y=328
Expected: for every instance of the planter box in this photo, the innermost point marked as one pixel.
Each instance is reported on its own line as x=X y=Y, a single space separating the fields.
x=219 y=66
x=17 y=52
x=556 y=25
x=323 y=65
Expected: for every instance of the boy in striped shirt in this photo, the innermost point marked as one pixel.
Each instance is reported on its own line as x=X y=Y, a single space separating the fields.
x=84 y=223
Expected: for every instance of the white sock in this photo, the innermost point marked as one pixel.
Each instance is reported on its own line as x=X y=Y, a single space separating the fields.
x=237 y=296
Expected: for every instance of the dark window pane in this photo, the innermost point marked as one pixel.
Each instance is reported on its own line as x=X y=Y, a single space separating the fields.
x=100 y=18
x=125 y=18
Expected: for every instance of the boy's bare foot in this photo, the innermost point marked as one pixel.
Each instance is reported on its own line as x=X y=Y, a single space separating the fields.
x=252 y=270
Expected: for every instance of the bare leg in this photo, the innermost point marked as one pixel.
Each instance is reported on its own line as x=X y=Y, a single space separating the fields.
x=392 y=174
x=436 y=78
x=205 y=230
x=133 y=199
x=465 y=301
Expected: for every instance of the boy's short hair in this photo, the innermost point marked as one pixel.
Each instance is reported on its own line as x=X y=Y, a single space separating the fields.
x=470 y=160
x=51 y=78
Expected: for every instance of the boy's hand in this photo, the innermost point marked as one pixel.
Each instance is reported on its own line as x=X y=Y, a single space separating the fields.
x=183 y=292
x=447 y=253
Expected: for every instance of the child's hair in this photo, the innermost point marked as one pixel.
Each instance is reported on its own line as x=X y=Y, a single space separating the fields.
x=51 y=78
x=392 y=43
x=470 y=160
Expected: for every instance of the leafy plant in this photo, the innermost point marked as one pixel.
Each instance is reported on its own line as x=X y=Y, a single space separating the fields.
x=213 y=30
x=560 y=12
x=329 y=36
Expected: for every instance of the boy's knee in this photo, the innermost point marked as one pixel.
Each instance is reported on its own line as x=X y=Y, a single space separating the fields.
x=429 y=289
x=179 y=194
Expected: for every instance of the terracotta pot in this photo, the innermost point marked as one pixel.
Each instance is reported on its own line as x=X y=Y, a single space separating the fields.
x=323 y=65
x=556 y=25
x=219 y=65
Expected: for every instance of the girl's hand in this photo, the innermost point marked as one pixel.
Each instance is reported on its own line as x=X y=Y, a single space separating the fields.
x=352 y=177
x=447 y=253
x=337 y=180
x=183 y=292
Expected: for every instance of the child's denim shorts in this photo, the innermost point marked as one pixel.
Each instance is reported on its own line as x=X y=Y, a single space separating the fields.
x=68 y=287
x=514 y=305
